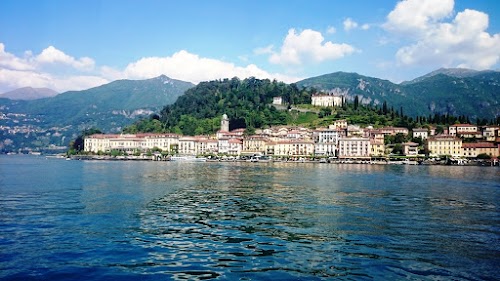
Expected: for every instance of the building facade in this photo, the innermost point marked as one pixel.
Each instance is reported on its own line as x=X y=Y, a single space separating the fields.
x=444 y=145
x=326 y=100
x=472 y=150
x=354 y=147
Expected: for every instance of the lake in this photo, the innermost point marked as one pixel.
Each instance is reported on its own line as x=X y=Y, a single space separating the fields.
x=107 y=220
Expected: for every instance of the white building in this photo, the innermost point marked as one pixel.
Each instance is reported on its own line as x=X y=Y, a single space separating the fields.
x=354 y=147
x=277 y=100
x=326 y=141
x=422 y=133
x=326 y=100
x=129 y=143
x=458 y=129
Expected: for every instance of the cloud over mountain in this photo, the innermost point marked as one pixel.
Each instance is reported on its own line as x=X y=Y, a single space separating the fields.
x=309 y=44
x=52 y=68
x=436 y=40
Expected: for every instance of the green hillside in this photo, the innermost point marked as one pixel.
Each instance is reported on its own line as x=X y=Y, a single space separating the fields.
x=446 y=91
x=248 y=104
x=109 y=107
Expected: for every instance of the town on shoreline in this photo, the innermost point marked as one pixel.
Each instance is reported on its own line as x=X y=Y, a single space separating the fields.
x=340 y=142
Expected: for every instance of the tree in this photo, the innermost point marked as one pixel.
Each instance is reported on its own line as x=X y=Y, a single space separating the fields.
x=398 y=149
x=77 y=146
x=484 y=156
x=356 y=102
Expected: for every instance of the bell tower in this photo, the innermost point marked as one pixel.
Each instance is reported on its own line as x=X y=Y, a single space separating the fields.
x=224 y=123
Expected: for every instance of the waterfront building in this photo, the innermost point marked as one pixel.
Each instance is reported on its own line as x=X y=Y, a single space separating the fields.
x=129 y=143
x=328 y=135
x=235 y=146
x=254 y=144
x=97 y=143
x=444 y=145
x=188 y=146
x=294 y=148
x=410 y=148
x=206 y=146
x=326 y=141
x=377 y=147
x=165 y=142
x=325 y=149
x=354 y=147
x=422 y=133
x=472 y=150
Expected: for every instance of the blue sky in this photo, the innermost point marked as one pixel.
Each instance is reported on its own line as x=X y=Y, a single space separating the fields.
x=73 y=45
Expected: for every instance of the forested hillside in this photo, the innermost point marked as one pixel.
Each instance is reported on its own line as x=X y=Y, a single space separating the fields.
x=247 y=103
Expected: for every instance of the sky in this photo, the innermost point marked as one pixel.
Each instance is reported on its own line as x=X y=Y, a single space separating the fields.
x=75 y=45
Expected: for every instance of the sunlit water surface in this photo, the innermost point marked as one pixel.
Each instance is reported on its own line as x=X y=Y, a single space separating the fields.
x=99 y=220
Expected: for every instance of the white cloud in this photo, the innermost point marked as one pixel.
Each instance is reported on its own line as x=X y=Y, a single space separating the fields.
x=331 y=30
x=52 y=55
x=349 y=24
x=68 y=73
x=16 y=72
x=191 y=67
x=415 y=16
x=365 y=26
x=9 y=61
x=308 y=45
x=264 y=50
x=462 y=42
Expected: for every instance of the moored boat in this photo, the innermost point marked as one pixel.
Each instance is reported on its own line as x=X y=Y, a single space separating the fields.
x=188 y=159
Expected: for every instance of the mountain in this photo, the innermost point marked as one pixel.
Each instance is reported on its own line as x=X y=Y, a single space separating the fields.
x=452 y=72
x=29 y=93
x=108 y=107
x=444 y=91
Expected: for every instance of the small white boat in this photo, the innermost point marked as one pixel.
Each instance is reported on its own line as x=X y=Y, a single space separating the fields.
x=188 y=159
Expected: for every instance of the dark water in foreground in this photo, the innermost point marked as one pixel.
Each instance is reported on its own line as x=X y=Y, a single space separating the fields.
x=85 y=220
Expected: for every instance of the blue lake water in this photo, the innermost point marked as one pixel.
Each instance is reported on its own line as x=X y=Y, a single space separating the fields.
x=104 y=220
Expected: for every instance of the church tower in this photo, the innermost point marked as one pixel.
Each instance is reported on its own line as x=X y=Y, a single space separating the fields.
x=224 y=123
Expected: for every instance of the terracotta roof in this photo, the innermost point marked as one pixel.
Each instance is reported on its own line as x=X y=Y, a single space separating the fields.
x=479 y=145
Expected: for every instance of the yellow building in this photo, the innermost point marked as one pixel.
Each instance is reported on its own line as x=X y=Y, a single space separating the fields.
x=254 y=145
x=377 y=147
x=472 y=150
x=444 y=145
x=294 y=148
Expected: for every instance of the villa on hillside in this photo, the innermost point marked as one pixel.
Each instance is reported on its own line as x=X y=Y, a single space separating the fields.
x=327 y=100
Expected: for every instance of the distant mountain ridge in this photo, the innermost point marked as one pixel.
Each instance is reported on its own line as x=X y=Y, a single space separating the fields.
x=29 y=93
x=444 y=91
x=108 y=107
x=452 y=72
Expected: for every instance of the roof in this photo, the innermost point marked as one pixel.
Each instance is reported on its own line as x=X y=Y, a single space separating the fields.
x=479 y=145
x=463 y=125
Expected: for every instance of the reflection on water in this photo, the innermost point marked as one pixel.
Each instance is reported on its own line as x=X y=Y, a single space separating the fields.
x=246 y=221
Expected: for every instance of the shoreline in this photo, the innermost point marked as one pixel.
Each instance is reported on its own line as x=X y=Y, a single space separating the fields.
x=317 y=161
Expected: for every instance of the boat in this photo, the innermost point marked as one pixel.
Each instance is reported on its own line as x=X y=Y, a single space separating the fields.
x=188 y=159
x=259 y=158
